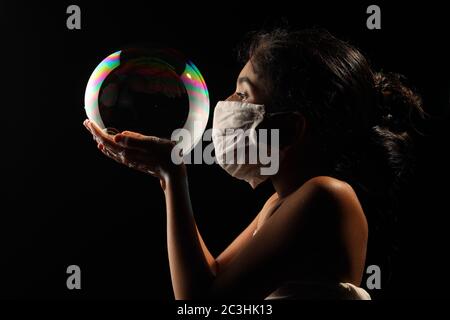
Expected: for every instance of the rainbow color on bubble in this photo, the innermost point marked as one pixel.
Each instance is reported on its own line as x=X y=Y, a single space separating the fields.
x=94 y=84
x=191 y=79
x=198 y=104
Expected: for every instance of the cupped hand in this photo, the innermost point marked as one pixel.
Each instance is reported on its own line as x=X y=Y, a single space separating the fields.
x=148 y=154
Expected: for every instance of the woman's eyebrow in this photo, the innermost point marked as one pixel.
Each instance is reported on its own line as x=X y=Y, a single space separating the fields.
x=246 y=79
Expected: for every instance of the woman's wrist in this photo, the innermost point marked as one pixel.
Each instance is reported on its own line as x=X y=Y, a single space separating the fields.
x=174 y=174
x=175 y=186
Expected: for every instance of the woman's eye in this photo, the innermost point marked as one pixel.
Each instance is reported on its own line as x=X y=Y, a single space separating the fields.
x=243 y=96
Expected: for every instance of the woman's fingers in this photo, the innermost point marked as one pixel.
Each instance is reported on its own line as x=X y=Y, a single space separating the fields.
x=98 y=132
x=130 y=162
x=118 y=152
x=137 y=151
x=136 y=140
x=133 y=140
x=102 y=137
x=129 y=157
x=128 y=139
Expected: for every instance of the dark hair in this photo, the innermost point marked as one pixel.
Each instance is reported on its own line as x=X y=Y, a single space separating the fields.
x=354 y=112
x=361 y=119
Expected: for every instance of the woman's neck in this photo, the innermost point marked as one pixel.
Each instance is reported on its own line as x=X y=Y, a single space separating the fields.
x=294 y=171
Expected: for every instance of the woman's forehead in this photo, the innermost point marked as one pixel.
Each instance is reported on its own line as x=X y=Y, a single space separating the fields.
x=249 y=72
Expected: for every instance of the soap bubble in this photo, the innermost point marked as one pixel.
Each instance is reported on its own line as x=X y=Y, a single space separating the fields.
x=150 y=91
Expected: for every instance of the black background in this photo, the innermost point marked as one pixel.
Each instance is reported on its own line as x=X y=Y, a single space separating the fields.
x=63 y=202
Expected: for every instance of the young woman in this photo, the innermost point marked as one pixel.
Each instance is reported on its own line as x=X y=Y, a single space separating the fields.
x=343 y=128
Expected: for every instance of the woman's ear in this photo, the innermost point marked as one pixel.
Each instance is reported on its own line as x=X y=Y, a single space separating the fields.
x=292 y=128
x=300 y=125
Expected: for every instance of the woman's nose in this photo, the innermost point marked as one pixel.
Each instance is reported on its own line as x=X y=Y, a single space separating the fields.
x=233 y=97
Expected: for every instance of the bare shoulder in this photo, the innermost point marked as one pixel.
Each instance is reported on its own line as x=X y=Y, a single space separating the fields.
x=332 y=192
x=335 y=189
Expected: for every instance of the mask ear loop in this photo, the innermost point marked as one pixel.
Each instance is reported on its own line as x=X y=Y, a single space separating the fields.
x=274 y=114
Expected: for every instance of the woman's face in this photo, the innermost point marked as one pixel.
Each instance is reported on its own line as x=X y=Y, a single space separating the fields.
x=250 y=87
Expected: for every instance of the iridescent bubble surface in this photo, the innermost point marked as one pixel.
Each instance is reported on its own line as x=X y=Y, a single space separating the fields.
x=150 y=91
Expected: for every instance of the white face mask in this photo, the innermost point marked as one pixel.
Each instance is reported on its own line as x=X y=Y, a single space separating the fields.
x=236 y=144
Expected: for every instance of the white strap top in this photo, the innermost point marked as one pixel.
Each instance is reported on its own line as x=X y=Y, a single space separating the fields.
x=295 y=290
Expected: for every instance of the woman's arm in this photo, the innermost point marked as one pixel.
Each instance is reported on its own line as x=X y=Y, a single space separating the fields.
x=189 y=266
x=193 y=268
x=208 y=256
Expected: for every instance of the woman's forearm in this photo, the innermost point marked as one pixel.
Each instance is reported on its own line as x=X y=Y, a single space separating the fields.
x=189 y=266
x=212 y=263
